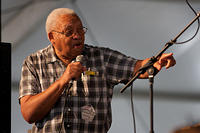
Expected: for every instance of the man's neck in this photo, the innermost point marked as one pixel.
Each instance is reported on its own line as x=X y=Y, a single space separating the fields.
x=64 y=59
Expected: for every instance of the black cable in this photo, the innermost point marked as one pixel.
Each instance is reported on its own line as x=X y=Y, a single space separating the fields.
x=132 y=107
x=197 y=27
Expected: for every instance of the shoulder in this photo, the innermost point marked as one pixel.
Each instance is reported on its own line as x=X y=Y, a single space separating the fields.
x=98 y=49
x=37 y=60
x=40 y=55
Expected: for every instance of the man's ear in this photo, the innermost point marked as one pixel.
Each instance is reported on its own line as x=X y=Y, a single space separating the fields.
x=50 y=36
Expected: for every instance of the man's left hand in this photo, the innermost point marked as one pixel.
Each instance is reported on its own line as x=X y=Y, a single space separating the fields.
x=166 y=60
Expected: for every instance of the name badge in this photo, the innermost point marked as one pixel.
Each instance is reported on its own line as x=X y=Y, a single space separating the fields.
x=88 y=113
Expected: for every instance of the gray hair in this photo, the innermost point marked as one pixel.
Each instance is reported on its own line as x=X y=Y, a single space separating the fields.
x=53 y=16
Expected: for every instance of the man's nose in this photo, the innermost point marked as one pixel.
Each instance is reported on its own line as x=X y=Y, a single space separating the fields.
x=76 y=36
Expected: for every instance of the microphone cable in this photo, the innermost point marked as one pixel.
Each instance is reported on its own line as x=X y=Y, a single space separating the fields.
x=132 y=108
x=132 y=105
x=197 y=26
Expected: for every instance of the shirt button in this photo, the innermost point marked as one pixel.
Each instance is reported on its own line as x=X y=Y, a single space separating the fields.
x=69 y=109
x=68 y=126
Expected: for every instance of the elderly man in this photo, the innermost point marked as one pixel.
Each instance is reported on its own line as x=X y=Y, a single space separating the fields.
x=56 y=96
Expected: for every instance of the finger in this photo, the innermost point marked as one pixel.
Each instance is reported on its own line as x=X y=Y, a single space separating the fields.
x=77 y=64
x=84 y=68
x=164 y=57
x=75 y=71
x=158 y=66
x=170 y=63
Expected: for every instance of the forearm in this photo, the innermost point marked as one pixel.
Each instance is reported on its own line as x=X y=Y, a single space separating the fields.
x=166 y=60
x=35 y=107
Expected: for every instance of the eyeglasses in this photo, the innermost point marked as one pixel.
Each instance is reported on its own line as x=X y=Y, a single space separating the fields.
x=70 y=32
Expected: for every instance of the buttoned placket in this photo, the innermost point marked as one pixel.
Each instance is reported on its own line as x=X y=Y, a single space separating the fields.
x=67 y=112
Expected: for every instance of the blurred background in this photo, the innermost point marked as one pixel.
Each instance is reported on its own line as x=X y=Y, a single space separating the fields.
x=137 y=28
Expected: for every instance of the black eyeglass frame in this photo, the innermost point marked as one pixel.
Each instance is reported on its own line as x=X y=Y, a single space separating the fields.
x=69 y=35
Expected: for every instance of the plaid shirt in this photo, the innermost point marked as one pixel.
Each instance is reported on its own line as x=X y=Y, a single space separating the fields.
x=77 y=114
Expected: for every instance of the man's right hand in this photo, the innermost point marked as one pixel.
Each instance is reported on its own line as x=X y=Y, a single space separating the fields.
x=73 y=71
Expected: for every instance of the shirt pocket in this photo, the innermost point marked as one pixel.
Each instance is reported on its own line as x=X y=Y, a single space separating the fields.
x=95 y=81
x=96 y=84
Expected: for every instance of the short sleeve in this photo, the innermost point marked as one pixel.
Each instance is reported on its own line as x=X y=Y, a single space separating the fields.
x=29 y=84
x=119 y=67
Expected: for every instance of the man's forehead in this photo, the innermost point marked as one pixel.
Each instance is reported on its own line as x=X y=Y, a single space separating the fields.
x=69 y=20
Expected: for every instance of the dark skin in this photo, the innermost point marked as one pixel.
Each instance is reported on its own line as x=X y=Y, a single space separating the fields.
x=35 y=107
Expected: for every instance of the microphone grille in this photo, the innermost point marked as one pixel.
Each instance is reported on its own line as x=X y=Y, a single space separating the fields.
x=80 y=58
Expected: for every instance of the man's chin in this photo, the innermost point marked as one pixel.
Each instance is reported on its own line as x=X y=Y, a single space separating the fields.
x=76 y=53
x=77 y=50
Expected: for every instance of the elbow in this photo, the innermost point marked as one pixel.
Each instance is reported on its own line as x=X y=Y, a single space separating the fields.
x=27 y=110
x=29 y=120
x=27 y=115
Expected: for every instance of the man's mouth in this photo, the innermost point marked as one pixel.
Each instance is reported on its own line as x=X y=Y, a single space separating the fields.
x=77 y=45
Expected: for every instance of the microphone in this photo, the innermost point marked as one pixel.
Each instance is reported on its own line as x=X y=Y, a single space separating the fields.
x=79 y=58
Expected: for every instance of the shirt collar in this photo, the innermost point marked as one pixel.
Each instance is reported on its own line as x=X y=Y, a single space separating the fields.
x=50 y=54
x=52 y=57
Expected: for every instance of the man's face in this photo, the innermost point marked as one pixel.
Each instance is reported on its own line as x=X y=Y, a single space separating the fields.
x=71 y=44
